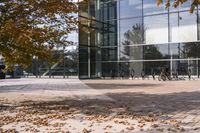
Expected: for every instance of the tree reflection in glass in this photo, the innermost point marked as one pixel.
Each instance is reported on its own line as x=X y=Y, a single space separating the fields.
x=133 y=51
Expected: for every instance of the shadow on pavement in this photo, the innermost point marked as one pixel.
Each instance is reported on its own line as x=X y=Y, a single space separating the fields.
x=73 y=87
x=121 y=85
x=128 y=103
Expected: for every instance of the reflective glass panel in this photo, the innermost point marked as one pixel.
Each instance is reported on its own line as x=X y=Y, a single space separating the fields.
x=145 y=52
x=130 y=8
x=185 y=50
x=83 y=54
x=155 y=66
x=150 y=7
x=198 y=20
x=95 y=69
x=108 y=10
x=109 y=54
x=182 y=67
x=83 y=35
x=182 y=7
x=110 y=69
x=110 y=33
x=183 y=27
x=146 y=67
x=156 y=29
x=95 y=54
x=131 y=32
x=156 y=52
x=188 y=27
x=131 y=52
x=83 y=70
x=191 y=49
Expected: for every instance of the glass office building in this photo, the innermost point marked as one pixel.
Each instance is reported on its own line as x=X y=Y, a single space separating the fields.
x=118 y=36
x=65 y=64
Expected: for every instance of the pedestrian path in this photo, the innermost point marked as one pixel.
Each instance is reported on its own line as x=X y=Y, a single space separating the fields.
x=101 y=105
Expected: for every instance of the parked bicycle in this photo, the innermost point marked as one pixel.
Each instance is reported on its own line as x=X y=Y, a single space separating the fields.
x=164 y=75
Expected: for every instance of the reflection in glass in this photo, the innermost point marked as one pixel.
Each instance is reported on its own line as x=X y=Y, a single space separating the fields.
x=95 y=65
x=132 y=30
x=192 y=49
x=109 y=54
x=110 y=33
x=83 y=54
x=95 y=54
x=150 y=7
x=110 y=70
x=83 y=37
x=145 y=52
x=198 y=23
x=130 y=8
x=156 y=29
x=185 y=6
x=183 y=66
x=132 y=36
x=147 y=67
x=124 y=69
x=83 y=69
x=95 y=69
x=182 y=7
x=155 y=66
x=108 y=10
x=185 y=50
x=83 y=7
x=183 y=27
x=156 y=52
x=117 y=27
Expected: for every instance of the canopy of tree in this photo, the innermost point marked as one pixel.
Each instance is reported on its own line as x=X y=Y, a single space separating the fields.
x=31 y=28
x=176 y=3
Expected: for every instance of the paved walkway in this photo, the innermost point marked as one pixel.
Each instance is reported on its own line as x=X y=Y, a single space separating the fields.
x=71 y=105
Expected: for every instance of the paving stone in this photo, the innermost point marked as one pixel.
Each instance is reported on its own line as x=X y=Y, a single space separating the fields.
x=170 y=101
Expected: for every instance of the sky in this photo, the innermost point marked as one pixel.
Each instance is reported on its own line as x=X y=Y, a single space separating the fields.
x=74 y=35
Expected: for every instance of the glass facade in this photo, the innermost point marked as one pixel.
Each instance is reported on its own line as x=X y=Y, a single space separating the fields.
x=118 y=36
x=63 y=65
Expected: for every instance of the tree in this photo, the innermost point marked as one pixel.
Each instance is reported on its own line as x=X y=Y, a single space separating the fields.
x=177 y=3
x=33 y=27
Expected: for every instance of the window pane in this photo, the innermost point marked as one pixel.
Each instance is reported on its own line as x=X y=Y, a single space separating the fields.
x=131 y=31
x=83 y=70
x=109 y=54
x=110 y=33
x=156 y=52
x=198 y=20
x=130 y=8
x=83 y=54
x=110 y=69
x=131 y=52
x=95 y=54
x=108 y=10
x=156 y=29
x=183 y=27
x=155 y=66
x=146 y=67
x=148 y=52
x=150 y=7
x=183 y=7
x=185 y=50
x=188 y=27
